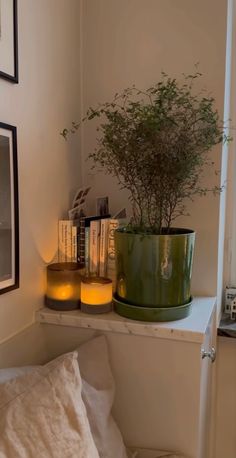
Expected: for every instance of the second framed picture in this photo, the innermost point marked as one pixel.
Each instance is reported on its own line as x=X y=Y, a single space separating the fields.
x=8 y=40
x=9 y=217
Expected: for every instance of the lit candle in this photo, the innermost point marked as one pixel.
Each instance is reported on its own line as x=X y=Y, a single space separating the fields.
x=63 y=285
x=96 y=294
x=61 y=292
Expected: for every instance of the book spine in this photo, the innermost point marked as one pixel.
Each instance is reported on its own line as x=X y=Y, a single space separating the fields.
x=81 y=241
x=61 y=243
x=74 y=244
x=94 y=246
x=68 y=238
x=111 y=266
x=86 y=248
x=64 y=240
x=83 y=244
x=103 y=247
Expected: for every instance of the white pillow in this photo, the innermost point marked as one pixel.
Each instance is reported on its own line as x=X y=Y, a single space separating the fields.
x=42 y=414
x=98 y=391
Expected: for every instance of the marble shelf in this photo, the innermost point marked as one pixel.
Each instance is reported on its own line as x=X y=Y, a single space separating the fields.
x=190 y=329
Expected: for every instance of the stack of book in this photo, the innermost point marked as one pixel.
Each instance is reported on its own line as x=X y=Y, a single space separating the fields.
x=89 y=241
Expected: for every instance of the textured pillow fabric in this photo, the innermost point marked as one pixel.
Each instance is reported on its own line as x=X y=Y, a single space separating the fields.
x=42 y=414
x=98 y=390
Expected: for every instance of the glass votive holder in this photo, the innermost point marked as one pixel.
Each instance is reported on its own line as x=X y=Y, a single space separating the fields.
x=96 y=295
x=63 y=285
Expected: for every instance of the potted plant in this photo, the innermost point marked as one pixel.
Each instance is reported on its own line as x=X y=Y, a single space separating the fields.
x=155 y=143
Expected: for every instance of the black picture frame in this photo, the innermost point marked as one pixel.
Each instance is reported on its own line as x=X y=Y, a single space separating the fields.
x=14 y=77
x=8 y=135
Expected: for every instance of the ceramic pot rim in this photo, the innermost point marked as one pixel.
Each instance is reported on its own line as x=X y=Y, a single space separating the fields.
x=174 y=231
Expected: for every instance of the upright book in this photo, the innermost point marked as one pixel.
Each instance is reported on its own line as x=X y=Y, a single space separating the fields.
x=111 y=265
x=81 y=241
x=65 y=240
x=114 y=223
x=94 y=238
x=74 y=244
x=89 y=243
x=103 y=247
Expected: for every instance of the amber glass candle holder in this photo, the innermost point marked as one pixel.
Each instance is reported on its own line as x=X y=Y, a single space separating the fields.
x=63 y=285
x=96 y=295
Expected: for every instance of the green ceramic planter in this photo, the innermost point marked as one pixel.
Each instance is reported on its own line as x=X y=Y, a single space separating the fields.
x=154 y=270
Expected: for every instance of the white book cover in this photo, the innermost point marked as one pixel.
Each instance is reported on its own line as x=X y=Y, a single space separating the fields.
x=64 y=240
x=103 y=247
x=94 y=246
x=111 y=265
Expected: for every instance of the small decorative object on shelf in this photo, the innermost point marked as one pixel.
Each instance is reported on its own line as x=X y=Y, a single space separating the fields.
x=230 y=298
x=63 y=285
x=96 y=294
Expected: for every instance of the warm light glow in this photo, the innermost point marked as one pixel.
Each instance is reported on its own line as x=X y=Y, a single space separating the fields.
x=63 y=285
x=62 y=293
x=95 y=293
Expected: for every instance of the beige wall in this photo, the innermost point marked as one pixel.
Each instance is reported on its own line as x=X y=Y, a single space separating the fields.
x=45 y=100
x=126 y=42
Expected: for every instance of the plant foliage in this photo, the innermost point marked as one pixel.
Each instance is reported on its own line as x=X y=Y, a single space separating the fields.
x=155 y=142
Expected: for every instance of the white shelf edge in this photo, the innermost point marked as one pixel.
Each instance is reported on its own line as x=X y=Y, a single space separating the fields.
x=190 y=329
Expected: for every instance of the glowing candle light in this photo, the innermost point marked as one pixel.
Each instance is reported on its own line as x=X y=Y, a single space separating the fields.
x=63 y=285
x=61 y=292
x=96 y=294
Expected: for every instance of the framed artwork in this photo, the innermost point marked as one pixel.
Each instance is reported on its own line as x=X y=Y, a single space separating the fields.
x=9 y=213
x=8 y=40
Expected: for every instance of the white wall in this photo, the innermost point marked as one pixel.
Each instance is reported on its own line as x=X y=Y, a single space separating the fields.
x=126 y=42
x=230 y=229
x=45 y=100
